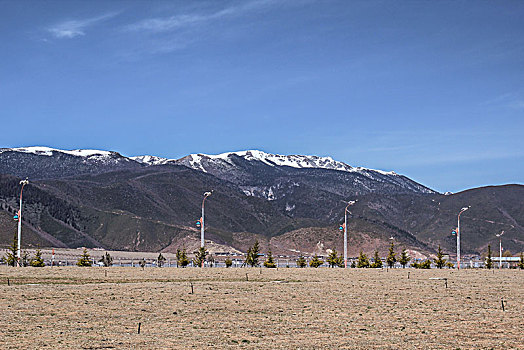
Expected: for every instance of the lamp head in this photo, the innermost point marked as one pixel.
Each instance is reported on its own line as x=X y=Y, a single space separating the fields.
x=208 y=193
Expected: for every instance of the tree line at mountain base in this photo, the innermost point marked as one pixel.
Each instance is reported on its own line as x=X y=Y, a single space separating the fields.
x=202 y=258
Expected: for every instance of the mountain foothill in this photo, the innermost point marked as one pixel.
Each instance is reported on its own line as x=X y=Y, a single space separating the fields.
x=292 y=204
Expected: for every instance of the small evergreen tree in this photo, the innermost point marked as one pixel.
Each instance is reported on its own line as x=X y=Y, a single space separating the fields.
x=181 y=258
x=489 y=261
x=377 y=262
x=450 y=265
x=24 y=260
x=353 y=264
x=315 y=262
x=404 y=258
x=228 y=262
x=255 y=250
x=363 y=260
x=334 y=259
x=10 y=256
x=340 y=261
x=391 y=258
x=426 y=264
x=252 y=255
x=106 y=259
x=521 y=261
x=440 y=261
x=247 y=262
x=84 y=260
x=269 y=263
x=200 y=257
x=161 y=260
x=301 y=262
x=37 y=261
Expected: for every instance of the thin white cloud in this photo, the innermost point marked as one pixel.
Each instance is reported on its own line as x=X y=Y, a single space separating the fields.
x=74 y=28
x=179 y=30
x=164 y=24
x=512 y=100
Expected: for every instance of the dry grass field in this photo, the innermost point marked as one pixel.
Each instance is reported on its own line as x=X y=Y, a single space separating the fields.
x=100 y=308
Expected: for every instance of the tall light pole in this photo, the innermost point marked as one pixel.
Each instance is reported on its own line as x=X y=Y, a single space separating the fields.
x=207 y=194
x=500 y=248
x=458 y=235
x=350 y=203
x=18 y=251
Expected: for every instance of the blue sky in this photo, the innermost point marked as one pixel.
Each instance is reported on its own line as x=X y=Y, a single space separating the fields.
x=430 y=89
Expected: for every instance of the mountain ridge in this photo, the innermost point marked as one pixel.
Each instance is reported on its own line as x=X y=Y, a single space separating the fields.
x=101 y=198
x=195 y=160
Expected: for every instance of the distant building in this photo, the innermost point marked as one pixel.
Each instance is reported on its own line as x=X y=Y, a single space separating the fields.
x=507 y=261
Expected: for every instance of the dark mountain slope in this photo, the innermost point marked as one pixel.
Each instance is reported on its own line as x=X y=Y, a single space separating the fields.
x=295 y=203
x=45 y=163
x=431 y=218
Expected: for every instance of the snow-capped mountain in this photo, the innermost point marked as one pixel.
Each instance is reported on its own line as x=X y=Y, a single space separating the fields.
x=257 y=173
x=199 y=161
x=152 y=160
x=101 y=198
x=203 y=161
x=48 y=151
x=86 y=155
x=271 y=176
x=46 y=163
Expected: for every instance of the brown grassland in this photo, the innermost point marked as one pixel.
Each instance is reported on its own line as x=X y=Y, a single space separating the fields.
x=100 y=308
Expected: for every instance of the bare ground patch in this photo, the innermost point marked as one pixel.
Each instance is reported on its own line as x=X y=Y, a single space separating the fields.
x=100 y=308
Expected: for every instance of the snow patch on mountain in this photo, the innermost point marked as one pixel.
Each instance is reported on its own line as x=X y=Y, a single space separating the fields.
x=86 y=156
x=294 y=161
x=198 y=161
x=48 y=151
x=226 y=166
x=223 y=165
x=151 y=160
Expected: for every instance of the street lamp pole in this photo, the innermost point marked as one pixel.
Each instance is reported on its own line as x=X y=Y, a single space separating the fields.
x=500 y=248
x=458 y=236
x=18 y=251
x=350 y=203
x=207 y=194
